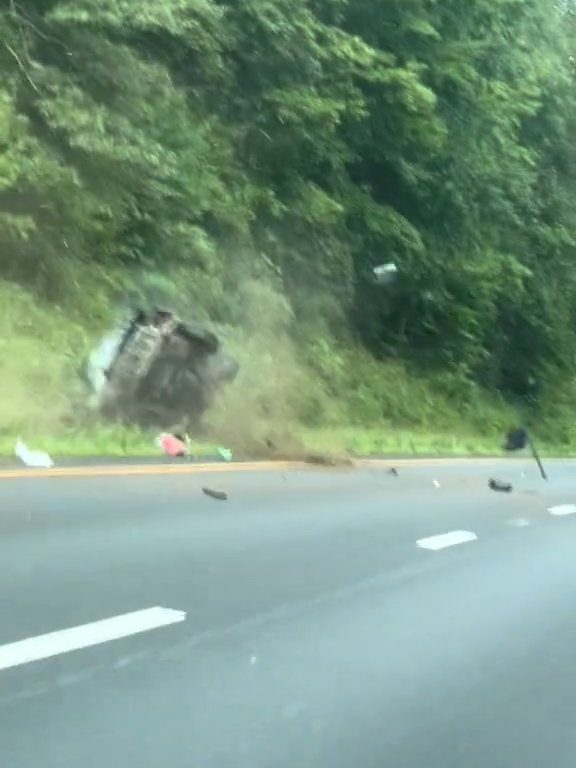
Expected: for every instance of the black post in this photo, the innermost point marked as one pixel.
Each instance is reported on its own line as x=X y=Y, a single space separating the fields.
x=535 y=454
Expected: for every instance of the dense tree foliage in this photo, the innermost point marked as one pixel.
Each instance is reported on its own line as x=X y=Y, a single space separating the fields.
x=311 y=140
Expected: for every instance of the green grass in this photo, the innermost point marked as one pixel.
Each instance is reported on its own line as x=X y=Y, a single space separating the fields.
x=112 y=442
x=395 y=442
x=303 y=397
x=100 y=441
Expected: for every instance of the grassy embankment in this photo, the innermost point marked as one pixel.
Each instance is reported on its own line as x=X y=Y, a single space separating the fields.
x=343 y=402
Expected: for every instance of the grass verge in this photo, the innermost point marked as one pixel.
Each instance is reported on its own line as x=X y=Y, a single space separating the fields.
x=291 y=398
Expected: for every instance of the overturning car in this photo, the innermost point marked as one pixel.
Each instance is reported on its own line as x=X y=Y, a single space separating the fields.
x=155 y=370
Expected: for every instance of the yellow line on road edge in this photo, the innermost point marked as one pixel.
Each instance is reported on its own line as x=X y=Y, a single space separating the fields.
x=144 y=469
x=193 y=469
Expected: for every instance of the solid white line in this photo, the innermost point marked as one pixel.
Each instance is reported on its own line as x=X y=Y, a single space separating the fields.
x=562 y=510
x=446 y=540
x=85 y=636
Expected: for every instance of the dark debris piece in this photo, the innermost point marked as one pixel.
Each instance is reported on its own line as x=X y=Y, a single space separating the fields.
x=393 y=472
x=517 y=439
x=500 y=485
x=218 y=495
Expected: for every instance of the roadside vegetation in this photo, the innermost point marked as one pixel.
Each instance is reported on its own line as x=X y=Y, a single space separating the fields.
x=249 y=163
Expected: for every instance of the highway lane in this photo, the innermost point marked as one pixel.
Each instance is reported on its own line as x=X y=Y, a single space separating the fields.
x=317 y=634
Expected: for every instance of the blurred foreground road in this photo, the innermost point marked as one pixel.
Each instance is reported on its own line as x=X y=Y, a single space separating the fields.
x=314 y=620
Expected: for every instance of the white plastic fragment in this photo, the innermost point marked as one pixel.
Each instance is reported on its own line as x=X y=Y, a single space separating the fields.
x=435 y=483
x=32 y=458
x=225 y=454
x=386 y=273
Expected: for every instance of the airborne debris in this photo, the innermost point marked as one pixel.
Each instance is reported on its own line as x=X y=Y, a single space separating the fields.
x=517 y=440
x=218 y=495
x=500 y=485
x=32 y=458
x=225 y=453
x=386 y=274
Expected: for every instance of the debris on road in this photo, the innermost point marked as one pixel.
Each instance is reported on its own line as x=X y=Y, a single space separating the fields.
x=393 y=472
x=218 y=495
x=172 y=445
x=500 y=485
x=519 y=522
x=435 y=483
x=32 y=458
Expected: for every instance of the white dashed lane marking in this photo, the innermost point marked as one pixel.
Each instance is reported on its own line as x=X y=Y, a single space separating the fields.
x=85 y=636
x=446 y=540
x=562 y=510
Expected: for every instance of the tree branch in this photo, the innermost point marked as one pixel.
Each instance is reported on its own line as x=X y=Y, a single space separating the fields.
x=21 y=66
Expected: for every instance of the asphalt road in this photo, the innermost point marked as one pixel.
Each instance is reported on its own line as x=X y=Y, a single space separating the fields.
x=320 y=631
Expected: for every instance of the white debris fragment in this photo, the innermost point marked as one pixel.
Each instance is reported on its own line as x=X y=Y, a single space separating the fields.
x=386 y=273
x=225 y=453
x=31 y=458
x=253 y=661
x=435 y=483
